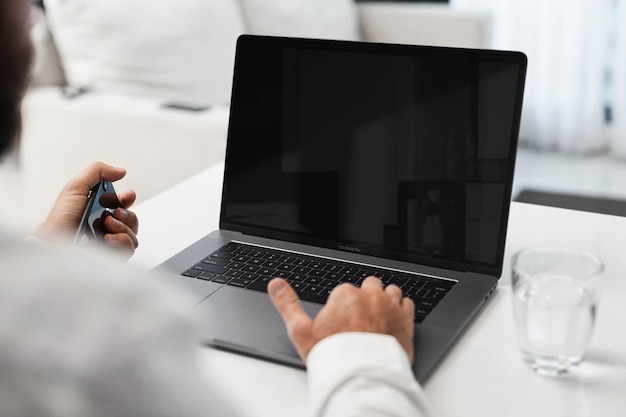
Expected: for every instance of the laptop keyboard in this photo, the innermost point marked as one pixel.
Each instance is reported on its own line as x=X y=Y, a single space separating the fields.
x=252 y=267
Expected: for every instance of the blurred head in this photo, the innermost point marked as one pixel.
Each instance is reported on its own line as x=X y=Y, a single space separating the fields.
x=15 y=58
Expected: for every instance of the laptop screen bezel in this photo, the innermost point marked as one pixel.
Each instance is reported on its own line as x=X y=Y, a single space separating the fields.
x=517 y=58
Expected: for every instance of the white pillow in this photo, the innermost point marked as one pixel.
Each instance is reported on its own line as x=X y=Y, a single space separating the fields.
x=46 y=69
x=329 y=19
x=173 y=49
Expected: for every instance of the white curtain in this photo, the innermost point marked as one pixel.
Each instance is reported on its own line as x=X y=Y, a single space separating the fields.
x=618 y=83
x=566 y=42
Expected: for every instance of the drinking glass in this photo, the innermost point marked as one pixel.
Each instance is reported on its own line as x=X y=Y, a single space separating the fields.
x=555 y=294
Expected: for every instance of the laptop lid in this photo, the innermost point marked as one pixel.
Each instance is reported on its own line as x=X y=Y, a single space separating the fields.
x=395 y=151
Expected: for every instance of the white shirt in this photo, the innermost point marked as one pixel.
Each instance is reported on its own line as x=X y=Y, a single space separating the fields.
x=80 y=335
x=363 y=374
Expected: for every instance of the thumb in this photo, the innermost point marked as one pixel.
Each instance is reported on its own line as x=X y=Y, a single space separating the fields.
x=100 y=171
x=296 y=320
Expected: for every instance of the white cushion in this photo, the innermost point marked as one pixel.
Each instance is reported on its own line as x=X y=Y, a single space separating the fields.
x=330 y=19
x=174 y=49
x=46 y=69
x=424 y=24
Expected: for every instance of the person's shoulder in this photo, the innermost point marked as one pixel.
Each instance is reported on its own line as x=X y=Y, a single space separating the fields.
x=51 y=274
x=79 y=318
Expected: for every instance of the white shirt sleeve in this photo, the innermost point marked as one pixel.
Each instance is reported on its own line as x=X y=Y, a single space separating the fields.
x=365 y=375
x=83 y=335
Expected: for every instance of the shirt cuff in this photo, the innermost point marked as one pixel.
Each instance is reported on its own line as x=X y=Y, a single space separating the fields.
x=337 y=360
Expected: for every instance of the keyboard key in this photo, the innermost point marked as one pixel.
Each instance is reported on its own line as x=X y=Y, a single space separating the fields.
x=286 y=267
x=216 y=261
x=250 y=276
x=318 y=273
x=287 y=259
x=366 y=273
x=326 y=291
x=192 y=273
x=326 y=283
x=220 y=279
x=439 y=286
x=265 y=279
x=437 y=295
x=233 y=273
x=267 y=271
x=208 y=276
x=313 y=289
x=331 y=284
x=350 y=271
x=243 y=251
x=298 y=286
x=397 y=279
x=261 y=254
x=236 y=282
x=241 y=258
x=222 y=254
x=422 y=311
x=270 y=264
x=210 y=268
x=334 y=268
x=313 y=280
x=236 y=265
x=230 y=247
x=301 y=262
x=258 y=286
x=250 y=268
x=333 y=276
x=317 y=265
x=416 y=283
x=351 y=279
x=273 y=257
x=418 y=292
x=315 y=298
x=424 y=302
x=298 y=277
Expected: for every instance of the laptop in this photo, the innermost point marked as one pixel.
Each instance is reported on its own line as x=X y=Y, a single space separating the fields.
x=348 y=159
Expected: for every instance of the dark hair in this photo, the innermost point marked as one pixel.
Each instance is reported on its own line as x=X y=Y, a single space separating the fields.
x=10 y=125
x=15 y=58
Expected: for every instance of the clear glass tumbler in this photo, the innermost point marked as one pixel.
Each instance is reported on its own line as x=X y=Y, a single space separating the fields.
x=555 y=294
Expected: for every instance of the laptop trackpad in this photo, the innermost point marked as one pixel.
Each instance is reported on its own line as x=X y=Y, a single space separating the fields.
x=195 y=290
x=246 y=321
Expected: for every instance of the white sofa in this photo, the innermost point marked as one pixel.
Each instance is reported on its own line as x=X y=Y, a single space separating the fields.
x=160 y=146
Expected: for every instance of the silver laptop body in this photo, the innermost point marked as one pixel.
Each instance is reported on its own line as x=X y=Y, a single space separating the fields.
x=387 y=157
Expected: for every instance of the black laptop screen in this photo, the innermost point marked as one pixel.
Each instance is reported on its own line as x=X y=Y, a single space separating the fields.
x=396 y=151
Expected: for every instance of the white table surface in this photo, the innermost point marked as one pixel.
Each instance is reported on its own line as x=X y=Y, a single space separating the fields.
x=483 y=375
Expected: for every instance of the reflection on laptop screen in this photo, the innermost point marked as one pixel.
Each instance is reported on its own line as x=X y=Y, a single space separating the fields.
x=406 y=152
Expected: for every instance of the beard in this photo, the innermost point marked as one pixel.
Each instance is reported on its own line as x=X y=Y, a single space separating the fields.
x=16 y=53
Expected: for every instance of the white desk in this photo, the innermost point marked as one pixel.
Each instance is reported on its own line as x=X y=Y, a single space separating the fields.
x=483 y=375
